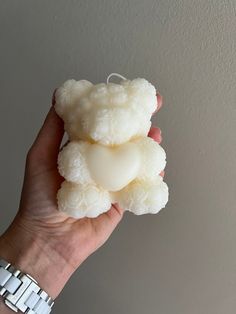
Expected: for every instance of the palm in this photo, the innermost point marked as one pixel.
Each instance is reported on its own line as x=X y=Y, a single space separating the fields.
x=39 y=209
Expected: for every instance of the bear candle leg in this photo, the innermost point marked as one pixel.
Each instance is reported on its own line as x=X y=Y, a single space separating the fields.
x=78 y=201
x=143 y=197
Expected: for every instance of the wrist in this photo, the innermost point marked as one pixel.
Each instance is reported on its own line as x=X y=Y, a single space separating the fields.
x=32 y=254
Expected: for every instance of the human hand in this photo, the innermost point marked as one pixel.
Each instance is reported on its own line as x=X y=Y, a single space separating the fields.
x=41 y=240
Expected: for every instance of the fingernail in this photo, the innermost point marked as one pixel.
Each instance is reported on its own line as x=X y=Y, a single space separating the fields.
x=159 y=100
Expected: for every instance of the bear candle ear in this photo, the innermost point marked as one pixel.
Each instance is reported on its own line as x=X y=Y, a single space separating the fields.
x=69 y=95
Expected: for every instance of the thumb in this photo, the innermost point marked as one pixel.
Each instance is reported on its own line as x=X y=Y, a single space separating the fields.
x=47 y=143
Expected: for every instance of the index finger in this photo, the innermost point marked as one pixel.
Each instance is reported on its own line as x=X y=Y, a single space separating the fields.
x=159 y=102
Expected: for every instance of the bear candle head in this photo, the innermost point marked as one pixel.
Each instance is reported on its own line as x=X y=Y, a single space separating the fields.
x=108 y=114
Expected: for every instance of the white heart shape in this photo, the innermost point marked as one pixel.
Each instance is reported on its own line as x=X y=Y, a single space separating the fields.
x=113 y=167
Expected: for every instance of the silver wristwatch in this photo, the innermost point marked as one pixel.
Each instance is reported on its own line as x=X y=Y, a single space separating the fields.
x=21 y=292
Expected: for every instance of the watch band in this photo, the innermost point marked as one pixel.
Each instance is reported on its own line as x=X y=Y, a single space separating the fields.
x=21 y=292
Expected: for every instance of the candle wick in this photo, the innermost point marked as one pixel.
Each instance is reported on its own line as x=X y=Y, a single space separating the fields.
x=115 y=74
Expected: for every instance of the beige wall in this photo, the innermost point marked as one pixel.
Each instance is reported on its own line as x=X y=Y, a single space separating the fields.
x=183 y=260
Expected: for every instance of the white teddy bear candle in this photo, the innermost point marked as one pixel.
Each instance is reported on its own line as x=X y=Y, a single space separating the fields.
x=109 y=157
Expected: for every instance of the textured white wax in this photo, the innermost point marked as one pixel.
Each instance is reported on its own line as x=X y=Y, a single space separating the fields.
x=109 y=157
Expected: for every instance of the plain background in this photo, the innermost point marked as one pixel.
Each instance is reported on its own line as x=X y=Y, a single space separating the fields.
x=182 y=260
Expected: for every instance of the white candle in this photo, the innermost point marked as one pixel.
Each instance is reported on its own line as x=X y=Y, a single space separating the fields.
x=109 y=157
